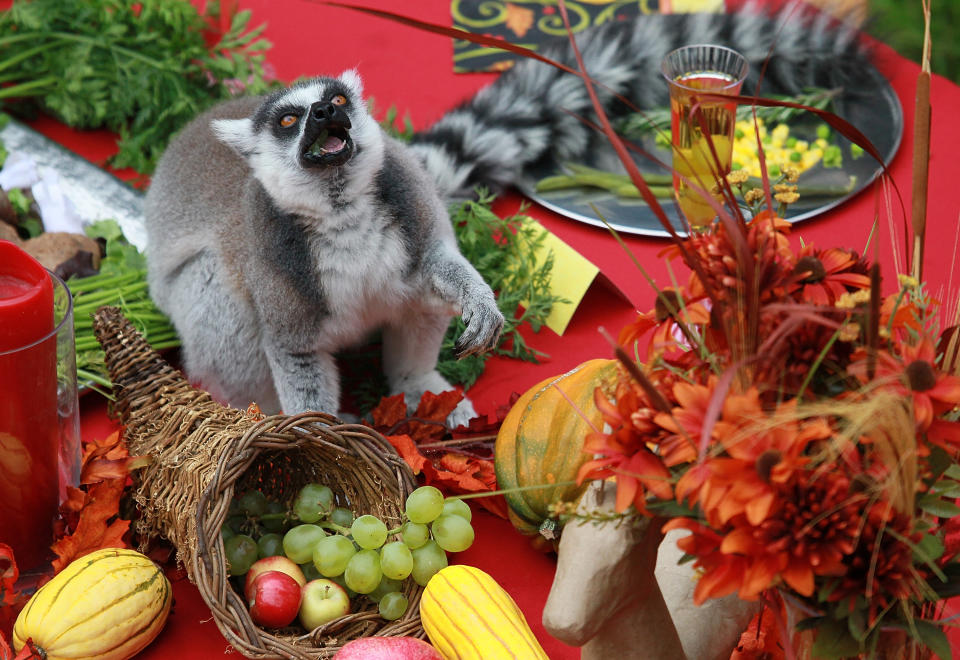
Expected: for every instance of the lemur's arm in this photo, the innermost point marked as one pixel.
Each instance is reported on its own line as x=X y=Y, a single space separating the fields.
x=457 y=282
x=406 y=192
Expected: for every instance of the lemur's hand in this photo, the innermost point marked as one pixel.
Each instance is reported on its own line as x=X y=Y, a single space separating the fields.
x=484 y=324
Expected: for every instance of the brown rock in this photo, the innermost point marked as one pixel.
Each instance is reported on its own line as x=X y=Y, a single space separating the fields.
x=9 y=233
x=53 y=248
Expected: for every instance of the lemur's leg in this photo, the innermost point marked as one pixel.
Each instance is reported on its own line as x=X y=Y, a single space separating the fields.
x=304 y=380
x=228 y=364
x=411 y=346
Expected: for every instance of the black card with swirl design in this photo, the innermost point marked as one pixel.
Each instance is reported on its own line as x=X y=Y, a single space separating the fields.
x=530 y=23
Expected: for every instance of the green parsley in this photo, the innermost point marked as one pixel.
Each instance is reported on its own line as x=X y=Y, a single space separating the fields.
x=140 y=68
x=501 y=249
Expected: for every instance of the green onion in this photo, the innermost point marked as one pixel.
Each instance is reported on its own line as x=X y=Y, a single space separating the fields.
x=121 y=282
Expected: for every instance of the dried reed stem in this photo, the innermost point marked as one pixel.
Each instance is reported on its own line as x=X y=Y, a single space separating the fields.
x=921 y=150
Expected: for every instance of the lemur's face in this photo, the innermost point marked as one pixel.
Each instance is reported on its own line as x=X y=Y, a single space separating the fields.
x=312 y=123
x=314 y=126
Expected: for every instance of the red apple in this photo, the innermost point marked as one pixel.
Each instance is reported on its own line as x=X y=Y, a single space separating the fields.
x=388 y=648
x=323 y=601
x=275 y=599
x=277 y=563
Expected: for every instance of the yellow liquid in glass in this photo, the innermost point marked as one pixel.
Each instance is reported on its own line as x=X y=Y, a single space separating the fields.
x=692 y=136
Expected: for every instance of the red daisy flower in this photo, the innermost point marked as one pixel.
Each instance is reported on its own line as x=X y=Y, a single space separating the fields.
x=670 y=306
x=915 y=375
x=824 y=275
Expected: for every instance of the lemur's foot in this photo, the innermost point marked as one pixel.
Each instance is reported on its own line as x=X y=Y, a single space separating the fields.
x=461 y=415
x=414 y=388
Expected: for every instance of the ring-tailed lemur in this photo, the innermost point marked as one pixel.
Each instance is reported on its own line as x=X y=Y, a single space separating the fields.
x=283 y=229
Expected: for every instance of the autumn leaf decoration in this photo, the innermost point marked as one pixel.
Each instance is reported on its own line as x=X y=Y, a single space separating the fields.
x=519 y=19
x=11 y=600
x=91 y=513
x=29 y=651
x=458 y=462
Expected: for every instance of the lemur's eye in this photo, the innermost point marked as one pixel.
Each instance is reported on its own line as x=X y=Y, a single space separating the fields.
x=288 y=120
x=339 y=99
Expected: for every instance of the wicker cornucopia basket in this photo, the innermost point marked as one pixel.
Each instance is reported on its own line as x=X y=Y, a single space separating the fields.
x=202 y=453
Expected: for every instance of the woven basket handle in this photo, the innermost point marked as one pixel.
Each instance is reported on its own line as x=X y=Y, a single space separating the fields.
x=138 y=372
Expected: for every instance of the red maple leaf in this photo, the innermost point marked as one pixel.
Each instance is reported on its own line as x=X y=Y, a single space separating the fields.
x=108 y=459
x=761 y=640
x=389 y=412
x=437 y=407
x=11 y=600
x=464 y=474
x=408 y=451
x=70 y=509
x=98 y=526
x=429 y=422
x=30 y=652
x=453 y=471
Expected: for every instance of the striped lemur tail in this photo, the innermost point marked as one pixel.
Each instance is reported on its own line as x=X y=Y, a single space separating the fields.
x=528 y=113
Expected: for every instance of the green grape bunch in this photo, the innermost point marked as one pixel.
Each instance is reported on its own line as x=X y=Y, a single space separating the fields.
x=358 y=552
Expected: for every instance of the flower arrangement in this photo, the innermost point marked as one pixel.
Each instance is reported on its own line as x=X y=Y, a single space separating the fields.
x=802 y=427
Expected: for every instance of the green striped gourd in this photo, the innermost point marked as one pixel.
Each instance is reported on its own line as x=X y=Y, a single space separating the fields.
x=541 y=441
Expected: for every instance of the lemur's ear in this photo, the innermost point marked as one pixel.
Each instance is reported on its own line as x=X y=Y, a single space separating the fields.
x=351 y=77
x=235 y=133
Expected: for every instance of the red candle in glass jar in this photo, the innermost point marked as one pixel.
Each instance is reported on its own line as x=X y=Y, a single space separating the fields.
x=29 y=424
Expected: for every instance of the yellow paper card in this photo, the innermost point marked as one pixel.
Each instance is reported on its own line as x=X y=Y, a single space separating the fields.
x=691 y=6
x=571 y=276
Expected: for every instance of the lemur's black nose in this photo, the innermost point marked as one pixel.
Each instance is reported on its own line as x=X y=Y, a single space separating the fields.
x=328 y=112
x=324 y=111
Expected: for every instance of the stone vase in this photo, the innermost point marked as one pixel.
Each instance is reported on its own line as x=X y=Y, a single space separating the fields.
x=619 y=593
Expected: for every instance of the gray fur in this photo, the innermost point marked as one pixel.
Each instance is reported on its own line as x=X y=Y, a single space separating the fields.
x=531 y=111
x=268 y=267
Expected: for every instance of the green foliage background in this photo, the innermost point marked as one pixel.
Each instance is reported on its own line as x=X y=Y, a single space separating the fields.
x=899 y=23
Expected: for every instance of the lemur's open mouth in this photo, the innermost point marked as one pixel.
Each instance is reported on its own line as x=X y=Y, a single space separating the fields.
x=330 y=146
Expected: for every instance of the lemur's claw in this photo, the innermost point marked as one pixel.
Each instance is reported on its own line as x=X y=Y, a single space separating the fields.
x=484 y=325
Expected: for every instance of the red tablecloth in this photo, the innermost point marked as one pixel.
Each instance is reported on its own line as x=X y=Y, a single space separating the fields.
x=412 y=70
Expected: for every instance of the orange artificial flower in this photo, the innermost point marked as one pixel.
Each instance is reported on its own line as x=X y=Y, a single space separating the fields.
x=813 y=527
x=898 y=312
x=758 y=457
x=914 y=375
x=670 y=306
x=825 y=275
x=623 y=453
x=720 y=574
